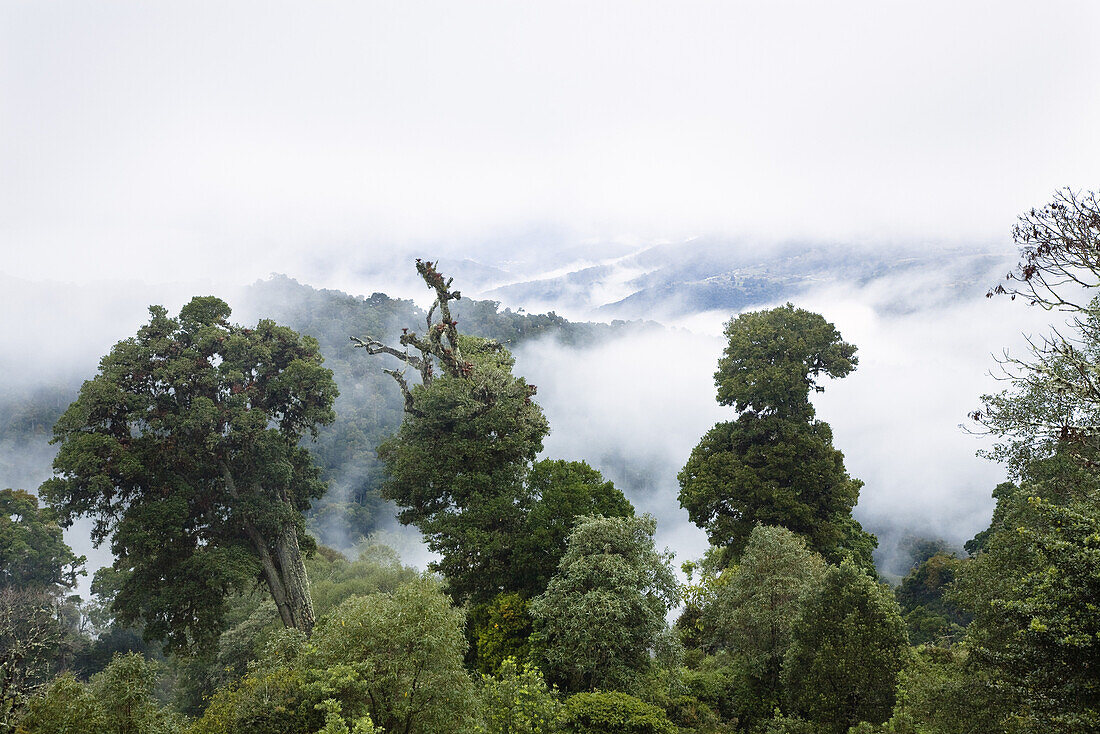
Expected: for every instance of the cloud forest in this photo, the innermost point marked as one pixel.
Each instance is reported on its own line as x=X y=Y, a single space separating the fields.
x=256 y=486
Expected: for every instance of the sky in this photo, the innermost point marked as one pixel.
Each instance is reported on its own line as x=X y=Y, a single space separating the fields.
x=180 y=140
x=149 y=151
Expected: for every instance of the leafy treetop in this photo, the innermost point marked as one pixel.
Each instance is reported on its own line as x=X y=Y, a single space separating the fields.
x=33 y=554
x=774 y=357
x=184 y=449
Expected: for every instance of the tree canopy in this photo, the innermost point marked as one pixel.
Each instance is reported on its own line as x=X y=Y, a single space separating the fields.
x=1032 y=590
x=755 y=607
x=184 y=450
x=461 y=466
x=848 y=645
x=774 y=358
x=600 y=618
x=775 y=464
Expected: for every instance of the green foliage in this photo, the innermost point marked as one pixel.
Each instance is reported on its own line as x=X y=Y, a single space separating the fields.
x=773 y=358
x=696 y=596
x=1049 y=408
x=33 y=555
x=368 y=409
x=847 y=647
x=604 y=610
x=938 y=693
x=126 y=690
x=518 y=701
x=753 y=612
x=457 y=468
x=791 y=725
x=460 y=466
x=336 y=724
x=560 y=492
x=391 y=660
x=776 y=465
x=716 y=682
x=613 y=713
x=691 y=714
x=37 y=622
x=772 y=471
x=184 y=450
x=375 y=569
x=928 y=614
x=1033 y=582
x=398 y=657
x=273 y=698
x=253 y=621
x=504 y=634
x=1033 y=592
x=65 y=706
x=120 y=700
x=980 y=541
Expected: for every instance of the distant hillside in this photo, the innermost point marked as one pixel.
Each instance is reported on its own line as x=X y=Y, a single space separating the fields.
x=368 y=410
x=369 y=407
x=677 y=279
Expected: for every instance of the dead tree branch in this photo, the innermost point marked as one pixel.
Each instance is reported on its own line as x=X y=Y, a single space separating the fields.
x=440 y=344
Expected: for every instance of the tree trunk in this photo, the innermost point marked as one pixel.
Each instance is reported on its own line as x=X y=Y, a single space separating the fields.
x=292 y=570
x=285 y=571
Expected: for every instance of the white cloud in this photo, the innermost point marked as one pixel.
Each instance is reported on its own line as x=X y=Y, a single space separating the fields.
x=203 y=138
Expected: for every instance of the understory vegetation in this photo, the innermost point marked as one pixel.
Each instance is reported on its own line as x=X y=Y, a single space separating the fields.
x=201 y=452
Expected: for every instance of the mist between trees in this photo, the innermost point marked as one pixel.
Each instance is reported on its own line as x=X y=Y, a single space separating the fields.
x=240 y=475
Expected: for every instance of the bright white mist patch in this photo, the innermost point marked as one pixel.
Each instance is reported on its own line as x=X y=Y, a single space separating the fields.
x=635 y=407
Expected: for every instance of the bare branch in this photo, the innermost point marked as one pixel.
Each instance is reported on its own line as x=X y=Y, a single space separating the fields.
x=439 y=345
x=404 y=385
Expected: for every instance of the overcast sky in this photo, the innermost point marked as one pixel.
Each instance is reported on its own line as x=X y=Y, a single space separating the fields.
x=196 y=146
x=171 y=141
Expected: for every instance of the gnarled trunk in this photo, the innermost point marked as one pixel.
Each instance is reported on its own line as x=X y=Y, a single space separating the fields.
x=288 y=559
x=284 y=571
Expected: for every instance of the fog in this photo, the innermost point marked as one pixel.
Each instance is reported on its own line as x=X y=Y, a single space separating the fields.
x=635 y=405
x=189 y=140
x=155 y=151
x=644 y=400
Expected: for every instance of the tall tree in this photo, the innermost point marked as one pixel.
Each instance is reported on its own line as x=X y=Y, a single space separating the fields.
x=774 y=358
x=456 y=466
x=461 y=467
x=775 y=464
x=601 y=616
x=1032 y=583
x=185 y=450
x=1054 y=403
x=754 y=609
x=847 y=647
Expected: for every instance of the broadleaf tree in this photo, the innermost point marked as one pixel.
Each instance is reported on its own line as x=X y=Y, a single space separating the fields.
x=848 y=646
x=185 y=451
x=776 y=464
x=753 y=611
x=462 y=465
x=1032 y=583
x=602 y=615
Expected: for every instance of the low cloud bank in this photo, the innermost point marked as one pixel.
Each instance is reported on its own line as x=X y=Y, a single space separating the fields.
x=636 y=406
